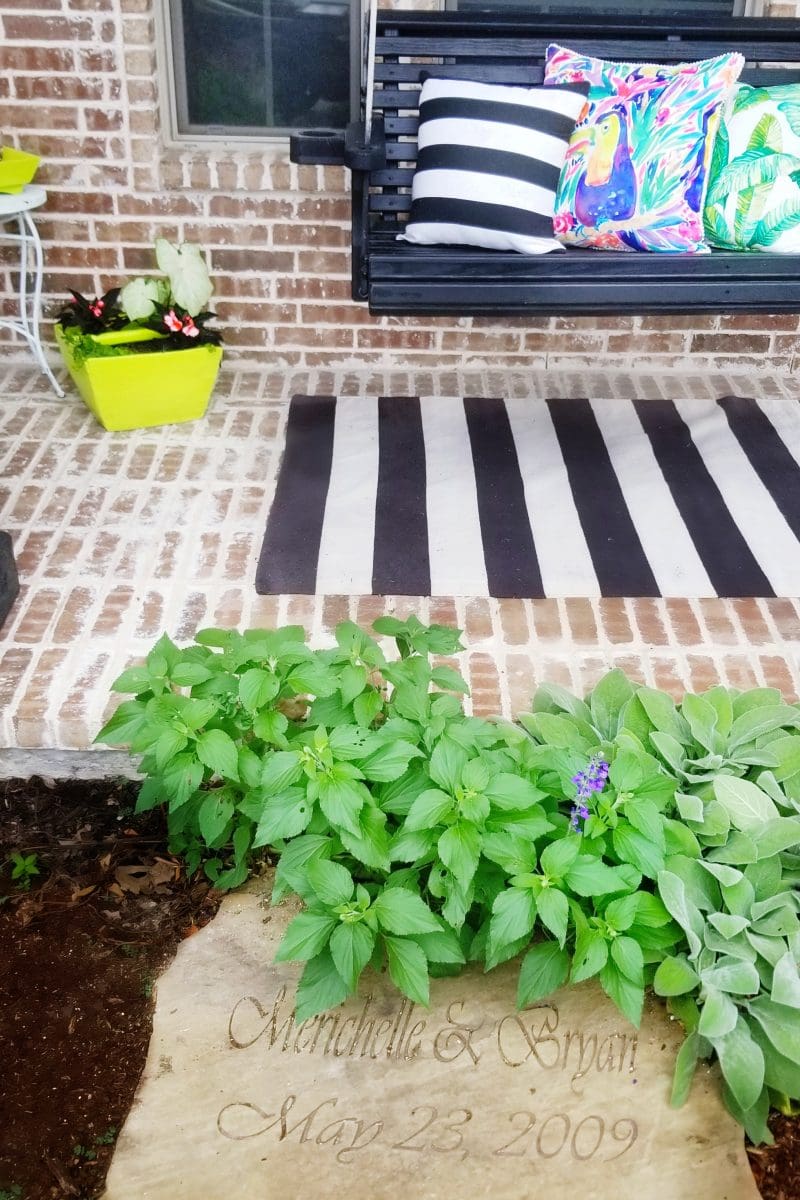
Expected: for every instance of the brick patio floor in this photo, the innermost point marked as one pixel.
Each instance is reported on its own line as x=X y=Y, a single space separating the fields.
x=119 y=537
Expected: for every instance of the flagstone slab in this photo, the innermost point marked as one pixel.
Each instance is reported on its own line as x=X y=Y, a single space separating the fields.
x=380 y=1097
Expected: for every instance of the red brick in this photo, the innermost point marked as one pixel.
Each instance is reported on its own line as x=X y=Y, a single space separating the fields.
x=685 y=629
x=703 y=672
x=581 y=619
x=614 y=620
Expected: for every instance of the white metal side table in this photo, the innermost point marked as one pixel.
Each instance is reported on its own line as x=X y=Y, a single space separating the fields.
x=15 y=210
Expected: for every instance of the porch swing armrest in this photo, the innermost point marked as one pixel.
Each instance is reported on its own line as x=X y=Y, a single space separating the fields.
x=317 y=147
x=362 y=153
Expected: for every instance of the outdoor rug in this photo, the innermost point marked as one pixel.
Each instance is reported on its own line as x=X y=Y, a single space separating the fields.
x=532 y=498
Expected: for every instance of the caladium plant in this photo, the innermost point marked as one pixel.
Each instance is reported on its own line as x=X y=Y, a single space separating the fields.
x=173 y=307
x=623 y=837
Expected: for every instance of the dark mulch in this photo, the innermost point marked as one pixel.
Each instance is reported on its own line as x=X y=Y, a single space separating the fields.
x=79 y=950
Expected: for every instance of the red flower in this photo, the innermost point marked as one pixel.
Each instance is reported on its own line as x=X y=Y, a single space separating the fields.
x=172 y=322
x=189 y=328
x=96 y=307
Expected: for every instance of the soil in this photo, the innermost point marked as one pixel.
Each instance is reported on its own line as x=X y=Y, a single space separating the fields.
x=80 y=947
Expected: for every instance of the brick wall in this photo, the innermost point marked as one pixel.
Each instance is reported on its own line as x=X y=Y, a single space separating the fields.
x=79 y=85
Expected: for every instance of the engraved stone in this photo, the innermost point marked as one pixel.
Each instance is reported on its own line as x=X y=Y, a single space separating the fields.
x=381 y=1098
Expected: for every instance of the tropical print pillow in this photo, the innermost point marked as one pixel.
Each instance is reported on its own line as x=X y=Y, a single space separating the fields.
x=636 y=170
x=753 y=200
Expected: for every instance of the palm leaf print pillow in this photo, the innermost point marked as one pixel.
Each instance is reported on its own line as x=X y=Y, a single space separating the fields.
x=753 y=200
x=636 y=170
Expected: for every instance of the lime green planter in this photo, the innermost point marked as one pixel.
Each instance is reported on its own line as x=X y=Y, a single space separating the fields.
x=133 y=391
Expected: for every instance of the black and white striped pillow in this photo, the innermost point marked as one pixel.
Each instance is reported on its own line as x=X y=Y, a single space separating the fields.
x=488 y=163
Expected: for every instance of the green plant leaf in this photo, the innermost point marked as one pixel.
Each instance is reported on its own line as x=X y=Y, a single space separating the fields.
x=557 y=858
x=351 y=947
x=400 y=911
x=446 y=764
x=591 y=954
x=283 y=816
x=781 y=833
x=672 y=891
x=732 y=975
x=217 y=750
x=685 y=1067
x=257 y=687
x=717 y=1015
x=449 y=680
x=321 y=987
x=742 y=1063
x=628 y=958
x=408 y=968
x=513 y=853
x=459 y=849
x=510 y=792
x=429 y=809
x=628 y=996
x=331 y=882
x=553 y=911
x=780 y=1024
x=213 y=816
x=633 y=847
x=590 y=877
x=390 y=762
x=440 y=947
x=786 y=982
x=371 y=844
x=186 y=269
x=342 y=801
x=292 y=871
x=366 y=707
x=746 y=804
x=305 y=937
x=608 y=699
x=675 y=976
x=544 y=969
x=513 y=916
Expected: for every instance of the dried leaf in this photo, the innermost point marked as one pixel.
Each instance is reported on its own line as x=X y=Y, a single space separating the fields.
x=133 y=878
x=81 y=892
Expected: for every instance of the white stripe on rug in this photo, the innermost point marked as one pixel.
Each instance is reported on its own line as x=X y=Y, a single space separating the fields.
x=348 y=529
x=564 y=559
x=665 y=539
x=454 y=531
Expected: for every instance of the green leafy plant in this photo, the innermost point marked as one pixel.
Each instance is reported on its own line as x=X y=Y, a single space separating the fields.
x=621 y=837
x=14 y=1192
x=173 y=307
x=23 y=869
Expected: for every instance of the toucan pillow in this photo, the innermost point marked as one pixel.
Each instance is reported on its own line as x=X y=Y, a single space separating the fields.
x=488 y=163
x=636 y=170
x=753 y=200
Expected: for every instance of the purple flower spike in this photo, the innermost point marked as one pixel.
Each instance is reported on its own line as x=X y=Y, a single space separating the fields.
x=592 y=779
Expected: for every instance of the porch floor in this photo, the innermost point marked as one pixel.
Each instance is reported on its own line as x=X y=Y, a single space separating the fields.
x=121 y=536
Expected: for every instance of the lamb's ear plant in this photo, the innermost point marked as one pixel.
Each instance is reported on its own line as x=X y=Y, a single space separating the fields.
x=621 y=837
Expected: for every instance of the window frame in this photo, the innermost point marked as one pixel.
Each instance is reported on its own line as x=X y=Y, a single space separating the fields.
x=174 y=98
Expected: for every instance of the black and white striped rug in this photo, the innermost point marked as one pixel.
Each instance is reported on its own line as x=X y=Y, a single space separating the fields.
x=531 y=498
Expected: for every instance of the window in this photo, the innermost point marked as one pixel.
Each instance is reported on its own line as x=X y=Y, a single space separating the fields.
x=254 y=68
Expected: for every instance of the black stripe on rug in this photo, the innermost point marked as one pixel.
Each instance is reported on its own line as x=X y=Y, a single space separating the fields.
x=769 y=457
x=730 y=564
x=289 y=554
x=617 y=554
x=512 y=568
x=401 y=562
